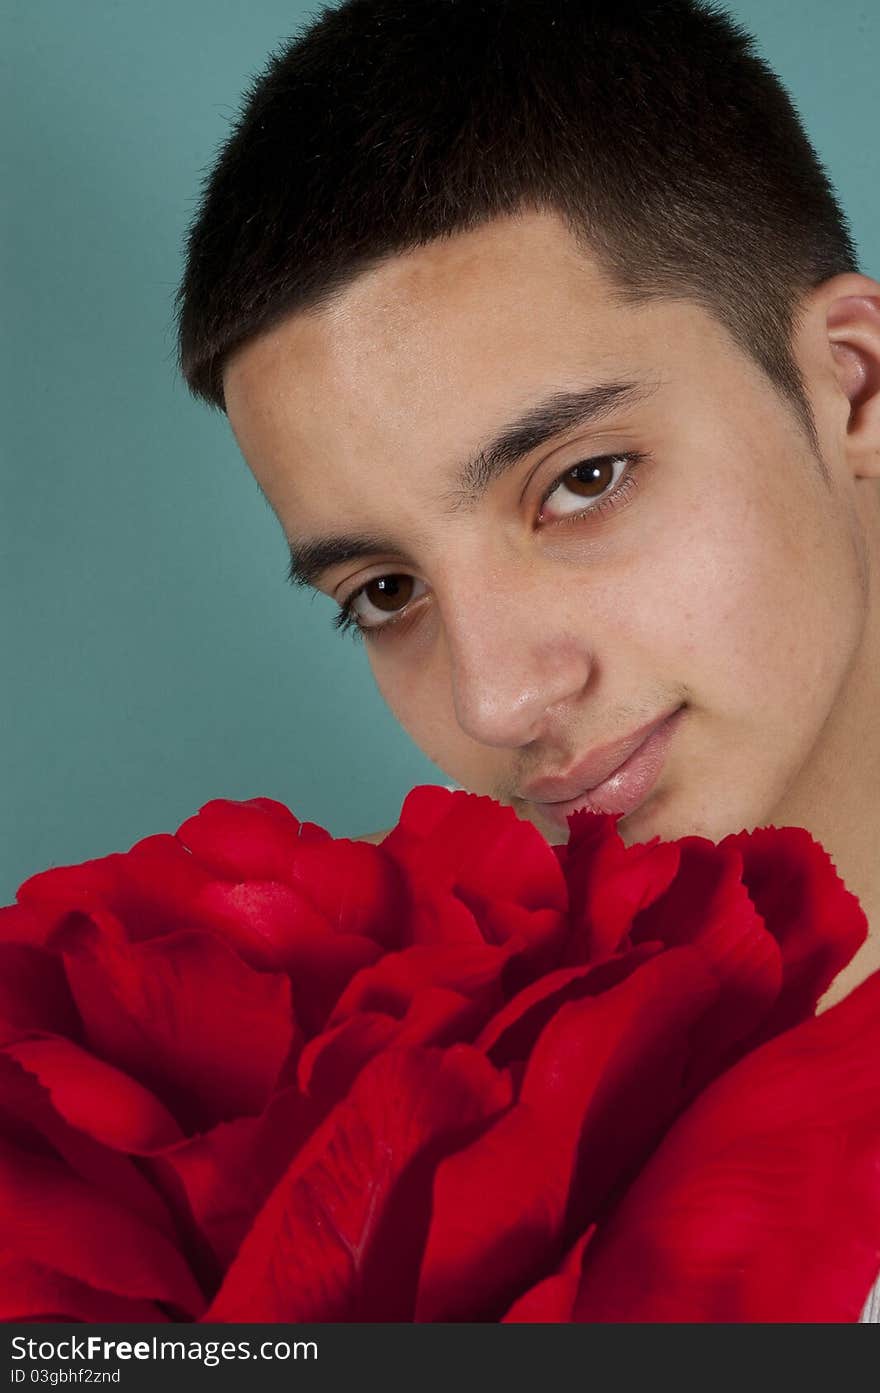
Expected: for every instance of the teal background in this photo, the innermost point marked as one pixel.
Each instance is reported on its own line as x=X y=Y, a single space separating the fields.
x=152 y=655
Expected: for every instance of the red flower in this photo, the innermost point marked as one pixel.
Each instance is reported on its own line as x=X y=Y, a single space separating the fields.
x=250 y=1072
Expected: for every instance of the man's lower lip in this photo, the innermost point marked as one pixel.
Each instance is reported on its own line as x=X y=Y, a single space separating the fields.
x=628 y=787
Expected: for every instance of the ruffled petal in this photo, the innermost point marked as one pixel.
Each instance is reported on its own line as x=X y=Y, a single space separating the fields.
x=329 y=1063
x=353 y=887
x=30 y=1292
x=50 y=1217
x=252 y=839
x=608 y=883
x=183 y=1015
x=228 y=1172
x=34 y=995
x=449 y=839
x=29 y=1120
x=603 y=1080
x=341 y=1236
x=708 y=905
x=817 y=922
x=762 y=1203
x=97 y=1098
x=513 y=1030
x=551 y=1301
x=391 y=984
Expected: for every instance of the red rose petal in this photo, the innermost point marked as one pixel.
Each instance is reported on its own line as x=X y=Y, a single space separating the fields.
x=708 y=905
x=29 y=1292
x=467 y=840
x=30 y=923
x=96 y=1098
x=437 y=1016
x=817 y=922
x=160 y=886
x=552 y=1299
x=229 y=1172
x=274 y=926
x=34 y=995
x=513 y=1030
x=29 y=1120
x=183 y=1015
x=321 y=964
x=329 y=1064
x=602 y=1080
x=728 y=1221
x=608 y=883
x=51 y=1217
x=351 y=885
x=88 y=884
x=357 y=888
x=533 y=937
x=341 y=1235
x=150 y=888
x=391 y=984
x=259 y=919
x=255 y=839
x=441 y=919
x=424 y=808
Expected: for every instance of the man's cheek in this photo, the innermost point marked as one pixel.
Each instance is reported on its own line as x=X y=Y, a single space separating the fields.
x=421 y=702
x=681 y=604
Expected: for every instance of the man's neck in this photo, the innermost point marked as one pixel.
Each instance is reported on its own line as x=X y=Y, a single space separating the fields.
x=854 y=846
x=866 y=961
x=840 y=805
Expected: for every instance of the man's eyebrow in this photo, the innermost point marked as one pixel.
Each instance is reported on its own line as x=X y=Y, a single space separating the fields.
x=311 y=557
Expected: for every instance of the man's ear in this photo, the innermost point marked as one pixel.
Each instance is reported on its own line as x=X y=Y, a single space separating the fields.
x=851 y=306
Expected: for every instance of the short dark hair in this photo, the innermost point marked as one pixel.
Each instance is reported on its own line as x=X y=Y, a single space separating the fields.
x=673 y=152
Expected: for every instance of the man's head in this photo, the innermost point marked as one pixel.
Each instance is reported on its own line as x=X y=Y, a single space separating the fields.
x=456 y=254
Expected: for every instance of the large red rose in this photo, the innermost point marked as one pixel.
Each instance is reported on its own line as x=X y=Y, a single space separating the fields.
x=250 y=1072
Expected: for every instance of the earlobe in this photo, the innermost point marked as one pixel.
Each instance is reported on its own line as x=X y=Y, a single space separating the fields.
x=853 y=326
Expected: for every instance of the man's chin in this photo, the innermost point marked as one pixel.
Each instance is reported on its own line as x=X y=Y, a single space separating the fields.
x=671 y=816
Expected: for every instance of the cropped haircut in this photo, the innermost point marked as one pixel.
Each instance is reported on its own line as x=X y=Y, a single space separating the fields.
x=670 y=149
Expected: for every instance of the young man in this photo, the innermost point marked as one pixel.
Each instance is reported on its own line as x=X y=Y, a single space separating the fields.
x=541 y=329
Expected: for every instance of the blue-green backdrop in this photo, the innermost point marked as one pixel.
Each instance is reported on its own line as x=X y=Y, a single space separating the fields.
x=152 y=656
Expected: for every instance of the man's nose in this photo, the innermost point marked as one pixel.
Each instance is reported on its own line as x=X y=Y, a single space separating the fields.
x=514 y=654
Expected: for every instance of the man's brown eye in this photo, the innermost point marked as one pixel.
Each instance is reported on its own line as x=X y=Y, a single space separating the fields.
x=602 y=481
x=591 y=476
x=389 y=593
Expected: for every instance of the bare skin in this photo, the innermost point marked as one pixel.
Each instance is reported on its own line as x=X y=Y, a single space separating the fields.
x=732 y=576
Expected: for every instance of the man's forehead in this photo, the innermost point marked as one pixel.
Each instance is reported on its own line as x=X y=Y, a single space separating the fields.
x=514 y=269
x=522 y=250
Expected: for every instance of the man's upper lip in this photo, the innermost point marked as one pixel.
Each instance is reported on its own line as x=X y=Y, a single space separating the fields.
x=595 y=767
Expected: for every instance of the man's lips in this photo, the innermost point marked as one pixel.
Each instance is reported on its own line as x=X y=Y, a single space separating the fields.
x=612 y=774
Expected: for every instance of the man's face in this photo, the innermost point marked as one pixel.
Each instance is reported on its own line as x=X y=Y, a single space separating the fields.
x=719 y=572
